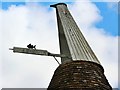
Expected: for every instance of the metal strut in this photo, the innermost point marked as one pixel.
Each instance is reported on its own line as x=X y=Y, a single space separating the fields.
x=56 y=60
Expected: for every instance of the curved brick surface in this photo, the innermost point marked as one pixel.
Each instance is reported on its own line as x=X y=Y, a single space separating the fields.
x=79 y=75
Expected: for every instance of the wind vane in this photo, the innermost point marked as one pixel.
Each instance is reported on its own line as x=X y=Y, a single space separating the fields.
x=34 y=51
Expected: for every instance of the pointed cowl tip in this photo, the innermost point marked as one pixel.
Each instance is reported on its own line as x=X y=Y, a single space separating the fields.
x=54 y=5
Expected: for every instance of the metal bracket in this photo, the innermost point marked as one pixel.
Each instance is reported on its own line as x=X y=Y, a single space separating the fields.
x=36 y=52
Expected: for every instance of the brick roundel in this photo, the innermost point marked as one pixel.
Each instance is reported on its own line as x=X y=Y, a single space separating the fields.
x=80 y=75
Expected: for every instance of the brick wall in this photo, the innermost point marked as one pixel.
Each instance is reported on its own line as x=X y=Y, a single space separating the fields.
x=79 y=75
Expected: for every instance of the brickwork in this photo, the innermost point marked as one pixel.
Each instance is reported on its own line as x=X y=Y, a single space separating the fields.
x=79 y=75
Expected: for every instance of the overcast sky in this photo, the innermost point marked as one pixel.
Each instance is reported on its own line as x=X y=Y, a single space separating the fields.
x=24 y=23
